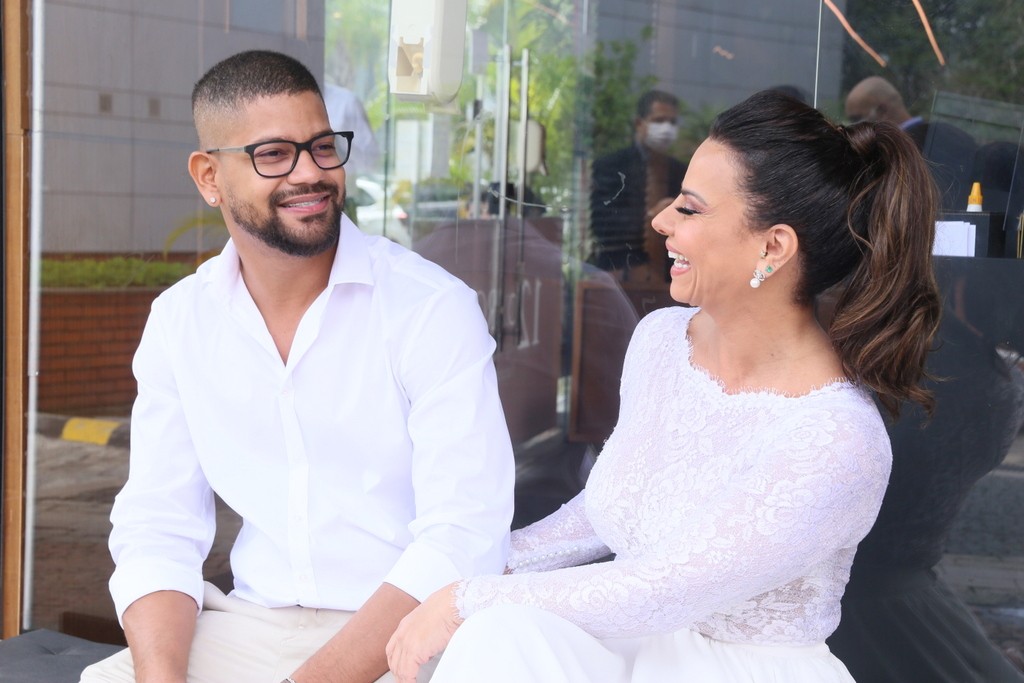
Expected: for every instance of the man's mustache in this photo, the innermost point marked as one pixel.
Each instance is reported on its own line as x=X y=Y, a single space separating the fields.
x=321 y=187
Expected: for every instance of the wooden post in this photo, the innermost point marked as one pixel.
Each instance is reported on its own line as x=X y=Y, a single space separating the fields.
x=14 y=20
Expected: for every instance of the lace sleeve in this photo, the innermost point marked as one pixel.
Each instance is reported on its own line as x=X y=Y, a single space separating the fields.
x=562 y=539
x=744 y=550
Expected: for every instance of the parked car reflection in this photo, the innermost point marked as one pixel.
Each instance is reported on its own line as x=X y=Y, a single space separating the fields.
x=377 y=213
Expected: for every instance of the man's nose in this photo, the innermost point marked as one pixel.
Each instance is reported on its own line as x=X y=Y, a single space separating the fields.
x=305 y=167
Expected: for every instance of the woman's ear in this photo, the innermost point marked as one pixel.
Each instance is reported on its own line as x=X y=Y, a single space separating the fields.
x=203 y=170
x=781 y=244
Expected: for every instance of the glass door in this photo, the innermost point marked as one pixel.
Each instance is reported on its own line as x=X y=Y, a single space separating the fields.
x=534 y=184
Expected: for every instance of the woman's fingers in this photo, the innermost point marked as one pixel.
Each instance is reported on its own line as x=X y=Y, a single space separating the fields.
x=423 y=633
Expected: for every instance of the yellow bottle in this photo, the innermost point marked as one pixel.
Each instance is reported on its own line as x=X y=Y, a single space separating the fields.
x=974 y=201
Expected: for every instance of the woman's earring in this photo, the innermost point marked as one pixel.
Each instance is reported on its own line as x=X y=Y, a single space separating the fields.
x=213 y=200
x=760 y=276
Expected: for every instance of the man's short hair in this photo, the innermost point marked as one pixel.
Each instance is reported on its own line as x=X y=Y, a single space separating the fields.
x=247 y=76
x=647 y=100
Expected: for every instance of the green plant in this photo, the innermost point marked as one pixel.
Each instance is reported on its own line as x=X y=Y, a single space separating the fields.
x=980 y=41
x=201 y=220
x=116 y=272
x=694 y=124
x=616 y=89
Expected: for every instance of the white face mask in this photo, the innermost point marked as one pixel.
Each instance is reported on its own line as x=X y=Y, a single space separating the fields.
x=661 y=135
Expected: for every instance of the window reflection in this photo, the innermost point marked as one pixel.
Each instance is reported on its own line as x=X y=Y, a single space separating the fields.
x=437 y=179
x=120 y=222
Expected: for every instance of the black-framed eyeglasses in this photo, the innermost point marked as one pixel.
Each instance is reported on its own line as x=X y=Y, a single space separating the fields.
x=277 y=158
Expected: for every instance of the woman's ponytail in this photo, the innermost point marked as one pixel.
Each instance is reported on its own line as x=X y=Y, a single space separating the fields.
x=863 y=205
x=889 y=306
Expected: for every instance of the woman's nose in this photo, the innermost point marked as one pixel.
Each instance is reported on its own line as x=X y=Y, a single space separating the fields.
x=660 y=223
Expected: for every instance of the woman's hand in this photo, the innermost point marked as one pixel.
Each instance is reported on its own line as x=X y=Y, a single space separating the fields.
x=423 y=633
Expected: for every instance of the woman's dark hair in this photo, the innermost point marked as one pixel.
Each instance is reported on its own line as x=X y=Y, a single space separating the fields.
x=863 y=206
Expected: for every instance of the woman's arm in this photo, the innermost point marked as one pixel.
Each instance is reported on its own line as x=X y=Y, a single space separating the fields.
x=564 y=538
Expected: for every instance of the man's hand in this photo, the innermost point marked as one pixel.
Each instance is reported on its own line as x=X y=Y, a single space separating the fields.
x=423 y=633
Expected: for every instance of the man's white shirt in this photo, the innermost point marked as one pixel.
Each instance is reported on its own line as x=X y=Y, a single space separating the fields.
x=378 y=452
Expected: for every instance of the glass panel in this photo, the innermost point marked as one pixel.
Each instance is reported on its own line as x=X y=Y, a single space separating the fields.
x=556 y=239
x=266 y=16
x=956 y=477
x=120 y=222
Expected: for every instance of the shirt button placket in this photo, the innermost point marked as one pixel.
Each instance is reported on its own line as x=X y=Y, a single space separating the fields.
x=298 y=497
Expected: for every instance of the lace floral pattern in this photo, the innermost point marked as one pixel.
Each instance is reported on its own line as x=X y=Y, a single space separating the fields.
x=736 y=515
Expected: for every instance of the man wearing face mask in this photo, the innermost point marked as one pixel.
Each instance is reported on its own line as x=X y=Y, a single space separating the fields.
x=632 y=185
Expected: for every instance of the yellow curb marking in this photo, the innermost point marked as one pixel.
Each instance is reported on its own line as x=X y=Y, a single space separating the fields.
x=89 y=430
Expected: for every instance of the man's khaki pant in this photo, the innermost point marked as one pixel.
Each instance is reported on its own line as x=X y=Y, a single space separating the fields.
x=238 y=641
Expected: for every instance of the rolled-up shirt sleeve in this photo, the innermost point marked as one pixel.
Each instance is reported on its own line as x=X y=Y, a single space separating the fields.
x=463 y=471
x=163 y=519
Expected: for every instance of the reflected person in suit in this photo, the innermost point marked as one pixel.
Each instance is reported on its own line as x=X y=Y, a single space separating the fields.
x=949 y=150
x=632 y=185
x=346 y=112
x=900 y=620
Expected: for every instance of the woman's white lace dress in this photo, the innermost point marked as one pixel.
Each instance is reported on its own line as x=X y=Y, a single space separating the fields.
x=733 y=518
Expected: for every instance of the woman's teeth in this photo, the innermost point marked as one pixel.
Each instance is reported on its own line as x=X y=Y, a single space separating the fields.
x=679 y=259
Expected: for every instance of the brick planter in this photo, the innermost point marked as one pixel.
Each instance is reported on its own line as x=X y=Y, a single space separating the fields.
x=87 y=340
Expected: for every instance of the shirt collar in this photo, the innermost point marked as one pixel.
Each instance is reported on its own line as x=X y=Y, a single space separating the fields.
x=913 y=121
x=352 y=262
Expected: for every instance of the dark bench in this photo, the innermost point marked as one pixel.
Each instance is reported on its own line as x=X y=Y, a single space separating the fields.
x=45 y=656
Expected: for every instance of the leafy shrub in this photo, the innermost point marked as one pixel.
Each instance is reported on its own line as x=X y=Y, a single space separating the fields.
x=116 y=272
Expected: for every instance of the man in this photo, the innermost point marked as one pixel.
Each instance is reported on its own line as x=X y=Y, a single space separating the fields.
x=949 y=150
x=346 y=112
x=334 y=389
x=631 y=186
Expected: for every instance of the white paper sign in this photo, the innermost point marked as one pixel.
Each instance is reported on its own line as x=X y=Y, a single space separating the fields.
x=954 y=238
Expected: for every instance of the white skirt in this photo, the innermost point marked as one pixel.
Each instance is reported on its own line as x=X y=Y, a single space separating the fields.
x=517 y=644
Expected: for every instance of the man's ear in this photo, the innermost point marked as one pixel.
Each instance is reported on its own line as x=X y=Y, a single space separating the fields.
x=203 y=169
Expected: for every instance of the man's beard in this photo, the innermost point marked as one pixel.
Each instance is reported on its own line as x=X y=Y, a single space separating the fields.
x=271 y=229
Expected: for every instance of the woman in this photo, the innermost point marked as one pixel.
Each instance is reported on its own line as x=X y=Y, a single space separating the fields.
x=749 y=458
